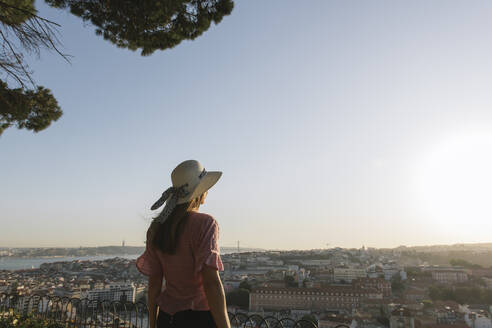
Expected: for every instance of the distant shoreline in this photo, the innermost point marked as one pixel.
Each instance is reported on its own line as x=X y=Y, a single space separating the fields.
x=14 y=264
x=76 y=252
x=112 y=249
x=61 y=256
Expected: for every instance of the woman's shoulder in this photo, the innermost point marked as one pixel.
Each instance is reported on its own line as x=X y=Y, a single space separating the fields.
x=202 y=218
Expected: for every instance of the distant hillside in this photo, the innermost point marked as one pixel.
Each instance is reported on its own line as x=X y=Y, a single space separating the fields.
x=479 y=254
x=228 y=250
x=477 y=247
x=80 y=251
x=95 y=251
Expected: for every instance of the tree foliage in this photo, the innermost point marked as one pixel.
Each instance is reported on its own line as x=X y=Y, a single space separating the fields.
x=149 y=25
x=290 y=281
x=245 y=285
x=27 y=109
x=384 y=321
x=464 y=264
x=22 y=32
x=464 y=295
x=11 y=13
x=415 y=272
x=397 y=285
x=238 y=297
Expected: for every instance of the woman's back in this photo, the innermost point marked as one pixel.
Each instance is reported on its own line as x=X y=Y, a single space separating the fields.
x=197 y=246
x=182 y=247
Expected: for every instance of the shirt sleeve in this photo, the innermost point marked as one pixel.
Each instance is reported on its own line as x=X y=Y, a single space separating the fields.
x=206 y=248
x=148 y=263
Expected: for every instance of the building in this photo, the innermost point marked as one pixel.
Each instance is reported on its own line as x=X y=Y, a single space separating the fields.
x=323 y=274
x=113 y=292
x=488 y=282
x=449 y=275
x=447 y=313
x=391 y=269
x=316 y=263
x=375 y=271
x=62 y=292
x=476 y=318
x=381 y=285
x=329 y=298
x=415 y=294
x=348 y=274
x=402 y=318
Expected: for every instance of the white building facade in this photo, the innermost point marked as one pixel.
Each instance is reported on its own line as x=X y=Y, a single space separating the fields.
x=114 y=292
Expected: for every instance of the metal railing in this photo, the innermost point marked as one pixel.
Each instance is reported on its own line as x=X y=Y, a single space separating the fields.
x=74 y=312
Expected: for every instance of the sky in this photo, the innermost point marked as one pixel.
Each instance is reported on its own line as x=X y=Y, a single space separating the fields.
x=335 y=123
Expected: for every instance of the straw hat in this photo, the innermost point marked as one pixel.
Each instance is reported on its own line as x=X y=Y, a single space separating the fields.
x=190 y=180
x=197 y=179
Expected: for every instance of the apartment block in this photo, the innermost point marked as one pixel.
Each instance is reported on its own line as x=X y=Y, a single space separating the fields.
x=334 y=297
x=348 y=274
x=449 y=276
x=113 y=292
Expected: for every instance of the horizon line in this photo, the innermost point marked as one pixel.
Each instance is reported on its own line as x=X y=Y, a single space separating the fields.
x=264 y=249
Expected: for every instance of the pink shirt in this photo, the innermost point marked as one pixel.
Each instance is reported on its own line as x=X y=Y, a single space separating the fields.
x=198 y=245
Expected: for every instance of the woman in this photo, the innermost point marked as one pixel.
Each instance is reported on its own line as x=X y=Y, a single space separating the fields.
x=182 y=247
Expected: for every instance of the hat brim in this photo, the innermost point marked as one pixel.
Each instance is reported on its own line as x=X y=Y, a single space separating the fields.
x=207 y=182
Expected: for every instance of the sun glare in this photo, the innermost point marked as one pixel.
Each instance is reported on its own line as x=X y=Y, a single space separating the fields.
x=455 y=184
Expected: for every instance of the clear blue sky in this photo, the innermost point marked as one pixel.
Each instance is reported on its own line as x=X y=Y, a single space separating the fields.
x=343 y=122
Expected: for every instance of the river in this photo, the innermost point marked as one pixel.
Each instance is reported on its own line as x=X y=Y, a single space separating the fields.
x=9 y=263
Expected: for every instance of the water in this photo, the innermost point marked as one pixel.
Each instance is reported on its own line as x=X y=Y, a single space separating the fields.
x=7 y=263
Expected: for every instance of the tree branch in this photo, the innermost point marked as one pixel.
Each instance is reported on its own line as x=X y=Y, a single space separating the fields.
x=6 y=5
x=31 y=34
x=17 y=58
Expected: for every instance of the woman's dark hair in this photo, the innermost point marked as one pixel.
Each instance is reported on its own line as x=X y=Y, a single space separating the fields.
x=165 y=236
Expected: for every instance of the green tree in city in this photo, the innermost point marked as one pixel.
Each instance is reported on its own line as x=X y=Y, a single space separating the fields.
x=464 y=263
x=384 y=321
x=290 y=281
x=238 y=297
x=397 y=285
x=148 y=25
x=245 y=285
x=382 y=318
x=13 y=288
x=462 y=295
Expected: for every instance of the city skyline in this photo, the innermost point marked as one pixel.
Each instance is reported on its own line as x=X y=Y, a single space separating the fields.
x=366 y=123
